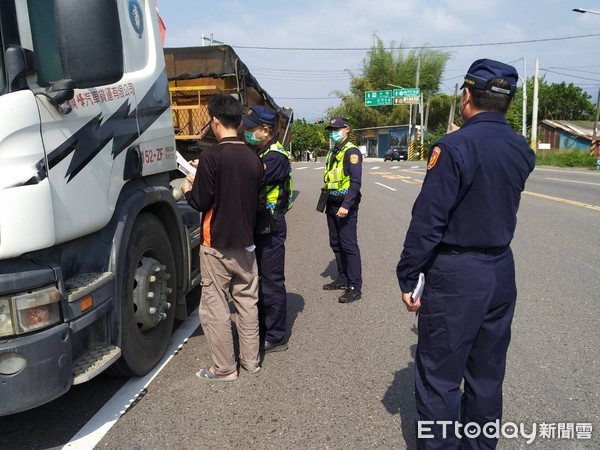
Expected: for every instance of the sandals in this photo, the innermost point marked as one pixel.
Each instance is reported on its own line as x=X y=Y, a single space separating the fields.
x=207 y=375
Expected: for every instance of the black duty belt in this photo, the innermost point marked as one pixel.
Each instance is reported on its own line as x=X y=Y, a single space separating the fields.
x=446 y=249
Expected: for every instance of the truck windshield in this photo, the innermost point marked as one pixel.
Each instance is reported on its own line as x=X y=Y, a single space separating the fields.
x=45 y=45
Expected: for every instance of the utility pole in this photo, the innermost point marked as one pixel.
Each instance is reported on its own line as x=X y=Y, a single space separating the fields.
x=452 y=110
x=424 y=127
x=594 y=146
x=534 y=113
x=427 y=106
x=524 y=99
x=414 y=118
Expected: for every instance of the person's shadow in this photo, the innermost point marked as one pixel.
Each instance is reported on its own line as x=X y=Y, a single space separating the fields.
x=295 y=306
x=400 y=399
x=330 y=270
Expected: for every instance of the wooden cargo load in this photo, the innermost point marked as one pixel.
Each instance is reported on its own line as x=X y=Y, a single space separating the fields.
x=197 y=73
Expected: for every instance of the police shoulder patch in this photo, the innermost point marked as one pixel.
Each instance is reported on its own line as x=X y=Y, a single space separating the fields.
x=354 y=159
x=435 y=154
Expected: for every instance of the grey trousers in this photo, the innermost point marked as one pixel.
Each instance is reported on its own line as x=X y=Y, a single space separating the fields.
x=230 y=272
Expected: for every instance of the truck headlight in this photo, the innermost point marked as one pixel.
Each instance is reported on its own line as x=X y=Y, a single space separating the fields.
x=6 y=320
x=37 y=309
x=29 y=311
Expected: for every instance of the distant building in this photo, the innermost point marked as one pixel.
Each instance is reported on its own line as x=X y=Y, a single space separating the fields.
x=566 y=134
x=378 y=140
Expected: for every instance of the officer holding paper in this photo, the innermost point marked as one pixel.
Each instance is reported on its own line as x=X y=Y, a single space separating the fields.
x=462 y=224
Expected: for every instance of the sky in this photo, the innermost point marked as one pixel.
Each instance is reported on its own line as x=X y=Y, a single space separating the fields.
x=302 y=51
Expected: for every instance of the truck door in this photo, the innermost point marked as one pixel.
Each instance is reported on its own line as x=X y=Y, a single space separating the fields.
x=84 y=146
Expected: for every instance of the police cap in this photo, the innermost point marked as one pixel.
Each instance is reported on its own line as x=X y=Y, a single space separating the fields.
x=483 y=71
x=259 y=115
x=337 y=122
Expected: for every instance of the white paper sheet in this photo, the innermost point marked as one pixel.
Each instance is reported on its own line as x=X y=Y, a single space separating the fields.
x=418 y=292
x=184 y=166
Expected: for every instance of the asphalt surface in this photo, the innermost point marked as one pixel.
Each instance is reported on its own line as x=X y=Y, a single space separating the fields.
x=346 y=379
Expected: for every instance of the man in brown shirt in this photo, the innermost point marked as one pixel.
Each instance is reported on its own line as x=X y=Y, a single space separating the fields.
x=226 y=189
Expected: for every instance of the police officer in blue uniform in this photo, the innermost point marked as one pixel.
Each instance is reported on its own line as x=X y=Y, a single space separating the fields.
x=259 y=125
x=343 y=173
x=462 y=224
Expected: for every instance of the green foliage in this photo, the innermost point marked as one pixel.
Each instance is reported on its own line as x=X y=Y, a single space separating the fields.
x=557 y=101
x=570 y=158
x=307 y=137
x=382 y=67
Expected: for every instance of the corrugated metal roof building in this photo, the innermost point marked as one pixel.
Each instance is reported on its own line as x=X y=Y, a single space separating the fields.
x=566 y=134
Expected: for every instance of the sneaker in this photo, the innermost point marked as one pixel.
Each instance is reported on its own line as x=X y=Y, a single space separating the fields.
x=276 y=346
x=335 y=285
x=352 y=294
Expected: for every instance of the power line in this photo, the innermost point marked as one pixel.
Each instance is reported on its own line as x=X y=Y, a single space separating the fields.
x=569 y=75
x=304 y=98
x=328 y=49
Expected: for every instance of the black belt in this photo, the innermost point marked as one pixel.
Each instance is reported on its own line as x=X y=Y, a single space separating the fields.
x=446 y=249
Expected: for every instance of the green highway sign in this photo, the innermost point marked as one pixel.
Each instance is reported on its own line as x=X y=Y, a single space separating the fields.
x=408 y=92
x=409 y=96
x=404 y=96
x=378 y=98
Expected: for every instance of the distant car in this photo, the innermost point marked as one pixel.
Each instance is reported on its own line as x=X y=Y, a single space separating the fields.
x=396 y=154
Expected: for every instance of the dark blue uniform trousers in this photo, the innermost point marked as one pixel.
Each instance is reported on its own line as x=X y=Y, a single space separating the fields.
x=272 y=298
x=344 y=243
x=464 y=333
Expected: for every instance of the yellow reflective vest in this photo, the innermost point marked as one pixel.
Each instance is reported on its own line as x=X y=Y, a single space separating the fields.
x=279 y=196
x=337 y=179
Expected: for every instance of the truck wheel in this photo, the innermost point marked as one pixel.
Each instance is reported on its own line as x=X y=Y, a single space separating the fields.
x=147 y=297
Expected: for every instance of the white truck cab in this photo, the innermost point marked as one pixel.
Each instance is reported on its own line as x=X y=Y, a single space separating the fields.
x=95 y=253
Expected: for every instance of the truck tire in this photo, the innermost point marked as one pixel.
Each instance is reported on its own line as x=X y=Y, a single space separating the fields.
x=147 y=306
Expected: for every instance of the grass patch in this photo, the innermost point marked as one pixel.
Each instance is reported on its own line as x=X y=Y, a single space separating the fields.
x=566 y=159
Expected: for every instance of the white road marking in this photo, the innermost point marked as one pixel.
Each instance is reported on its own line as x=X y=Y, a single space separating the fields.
x=573 y=181
x=581 y=172
x=387 y=187
x=375 y=168
x=415 y=167
x=319 y=168
x=301 y=168
x=93 y=431
x=395 y=167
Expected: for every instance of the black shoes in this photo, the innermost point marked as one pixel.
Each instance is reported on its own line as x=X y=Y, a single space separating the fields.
x=352 y=294
x=335 y=285
x=276 y=346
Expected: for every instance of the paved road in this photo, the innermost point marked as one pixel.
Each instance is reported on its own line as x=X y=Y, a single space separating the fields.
x=346 y=380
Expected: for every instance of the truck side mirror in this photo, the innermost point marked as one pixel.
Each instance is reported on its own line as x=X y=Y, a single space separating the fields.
x=19 y=62
x=61 y=91
x=89 y=41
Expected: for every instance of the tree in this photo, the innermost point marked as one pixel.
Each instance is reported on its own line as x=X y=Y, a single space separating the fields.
x=307 y=137
x=556 y=101
x=382 y=67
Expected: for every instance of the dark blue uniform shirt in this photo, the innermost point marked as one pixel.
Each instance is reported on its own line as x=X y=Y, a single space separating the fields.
x=470 y=194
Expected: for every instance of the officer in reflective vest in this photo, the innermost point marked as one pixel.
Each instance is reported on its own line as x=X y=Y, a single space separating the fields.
x=259 y=125
x=343 y=173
